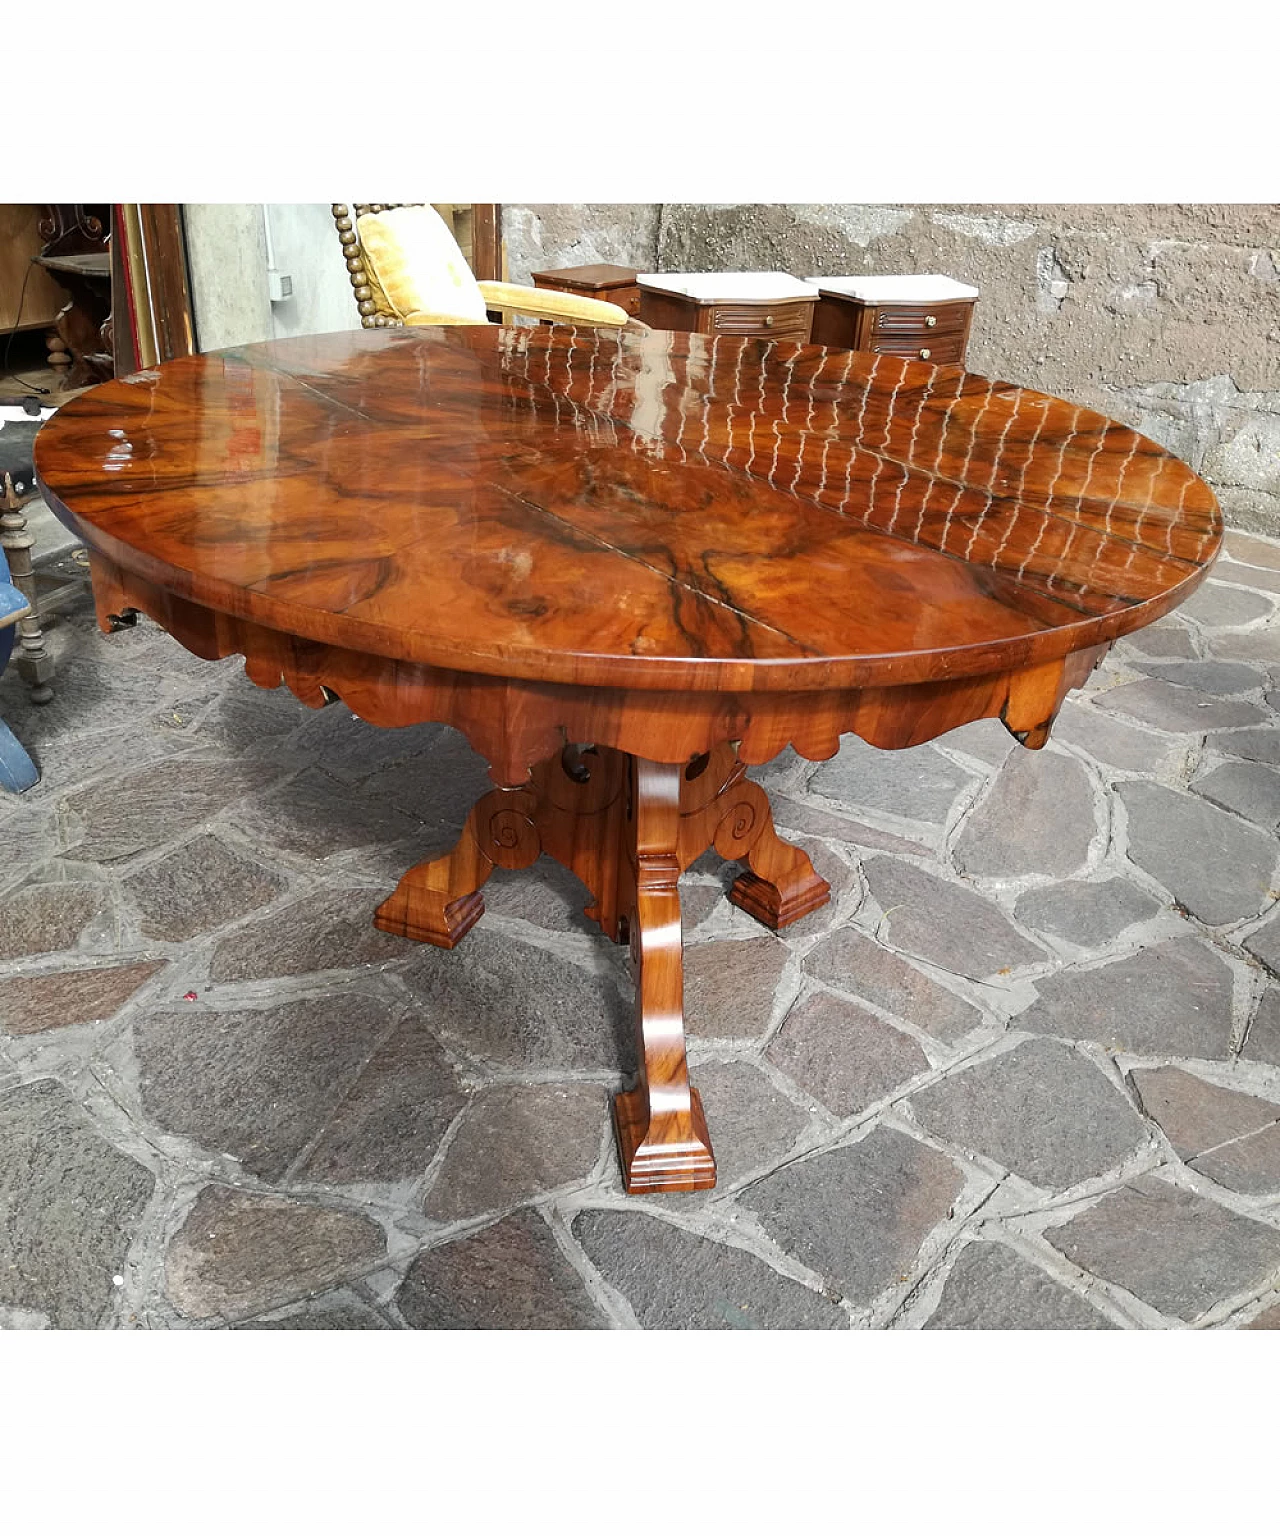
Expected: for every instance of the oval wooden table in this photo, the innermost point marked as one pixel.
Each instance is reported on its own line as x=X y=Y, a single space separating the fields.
x=626 y=566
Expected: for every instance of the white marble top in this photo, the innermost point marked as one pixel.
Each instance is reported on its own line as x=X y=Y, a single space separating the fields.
x=906 y=288
x=729 y=286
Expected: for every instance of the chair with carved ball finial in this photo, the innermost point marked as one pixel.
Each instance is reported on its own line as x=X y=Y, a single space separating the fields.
x=406 y=268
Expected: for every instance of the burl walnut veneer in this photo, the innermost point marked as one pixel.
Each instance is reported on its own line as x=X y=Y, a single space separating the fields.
x=626 y=566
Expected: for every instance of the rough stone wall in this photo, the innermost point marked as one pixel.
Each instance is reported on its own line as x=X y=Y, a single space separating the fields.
x=1166 y=317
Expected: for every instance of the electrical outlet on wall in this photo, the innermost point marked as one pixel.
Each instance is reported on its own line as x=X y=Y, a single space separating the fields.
x=279 y=286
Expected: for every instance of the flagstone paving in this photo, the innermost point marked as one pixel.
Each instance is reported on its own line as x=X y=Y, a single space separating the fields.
x=1023 y=1072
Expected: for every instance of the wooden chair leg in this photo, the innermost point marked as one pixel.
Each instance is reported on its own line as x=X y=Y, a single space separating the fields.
x=33 y=661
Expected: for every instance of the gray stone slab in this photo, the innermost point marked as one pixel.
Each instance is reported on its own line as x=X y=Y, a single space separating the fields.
x=791 y=816
x=1215 y=866
x=1090 y=913
x=1170 y=999
x=1171 y=708
x=257 y=1084
x=848 y=959
x=1251 y=790
x=317 y=817
x=1037 y=819
x=240 y=1253
x=992 y=1287
x=30 y=1005
x=987 y=740
x=30 y=836
x=350 y=749
x=1223 y=607
x=1040 y=1110
x=1264 y=942
x=394 y=1116
x=518 y=1141
x=1246 y=576
x=246 y=719
x=70 y=1204
x=519 y=1007
x=1114 y=742
x=1251 y=550
x=198 y=888
x=1194 y=1114
x=729 y=986
x=919 y=783
x=128 y=815
x=1261 y=746
x=1250 y=1166
x=1174 y=1250
x=326 y=930
x=547 y=894
x=1263 y=1040
x=752 y=1123
x=858 y=1215
x=1215 y=677
x=842 y=1055
x=1169 y=640
x=93 y=694
x=675 y=1279
x=510 y=1275
x=437 y=786
x=946 y=923
x=338 y=1311
x=42 y=919
x=1255 y=645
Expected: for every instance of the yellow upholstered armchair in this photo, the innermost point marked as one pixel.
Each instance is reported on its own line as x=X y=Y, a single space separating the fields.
x=406 y=269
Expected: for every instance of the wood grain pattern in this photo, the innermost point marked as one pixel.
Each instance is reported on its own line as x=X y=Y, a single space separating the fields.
x=625 y=567
x=660 y=511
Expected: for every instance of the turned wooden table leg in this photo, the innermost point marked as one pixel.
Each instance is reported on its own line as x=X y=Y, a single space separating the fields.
x=662 y=1133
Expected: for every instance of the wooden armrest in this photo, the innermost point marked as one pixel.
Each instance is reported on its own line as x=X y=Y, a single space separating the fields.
x=549 y=304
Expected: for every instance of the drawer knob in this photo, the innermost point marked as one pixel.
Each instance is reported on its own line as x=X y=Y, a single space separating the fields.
x=768 y=320
x=925 y=353
x=931 y=319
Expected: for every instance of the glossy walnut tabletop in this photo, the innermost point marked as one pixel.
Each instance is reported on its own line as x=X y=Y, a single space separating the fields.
x=625 y=566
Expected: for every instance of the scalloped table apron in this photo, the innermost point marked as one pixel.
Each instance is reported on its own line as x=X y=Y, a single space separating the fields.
x=626 y=567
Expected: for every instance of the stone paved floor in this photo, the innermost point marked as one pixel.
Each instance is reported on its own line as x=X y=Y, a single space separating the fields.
x=1024 y=1071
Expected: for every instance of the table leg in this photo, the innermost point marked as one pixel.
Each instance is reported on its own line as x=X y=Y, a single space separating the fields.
x=627 y=827
x=439 y=900
x=662 y=1132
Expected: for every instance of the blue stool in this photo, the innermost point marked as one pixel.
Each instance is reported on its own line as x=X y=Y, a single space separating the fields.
x=17 y=771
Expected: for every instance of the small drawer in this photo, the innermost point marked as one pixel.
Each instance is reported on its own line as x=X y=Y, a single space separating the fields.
x=785 y=321
x=943 y=349
x=625 y=298
x=921 y=319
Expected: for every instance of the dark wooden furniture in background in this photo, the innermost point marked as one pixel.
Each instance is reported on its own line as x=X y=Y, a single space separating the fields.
x=601 y=280
x=769 y=304
x=622 y=596
x=925 y=316
x=30 y=296
x=77 y=253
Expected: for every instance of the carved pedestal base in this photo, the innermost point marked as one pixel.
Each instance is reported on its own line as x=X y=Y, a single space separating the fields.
x=626 y=827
